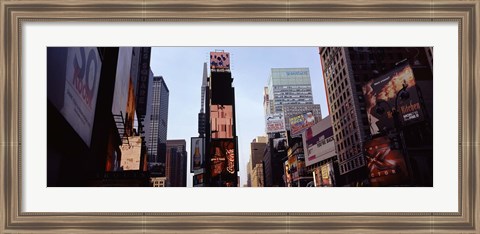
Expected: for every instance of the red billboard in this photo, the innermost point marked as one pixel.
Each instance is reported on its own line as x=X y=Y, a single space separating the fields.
x=301 y=122
x=219 y=60
x=222 y=157
x=386 y=165
x=381 y=93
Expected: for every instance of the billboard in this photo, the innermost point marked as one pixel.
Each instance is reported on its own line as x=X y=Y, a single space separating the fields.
x=301 y=122
x=197 y=155
x=274 y=123
x=327 y=175
x=221 y=121
x=219 y=60
x=280 y=144
x=221 y=88
x=318 y=142
x=386 y=165
x=122 y=80
x=76 y=98
x=131 y=154
x=382 y=93
x=198 y=180
x=222 y=157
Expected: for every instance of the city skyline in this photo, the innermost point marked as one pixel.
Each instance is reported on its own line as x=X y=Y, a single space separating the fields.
x=182 y=70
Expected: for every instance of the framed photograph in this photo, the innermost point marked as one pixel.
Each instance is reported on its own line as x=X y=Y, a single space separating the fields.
x=446 y=32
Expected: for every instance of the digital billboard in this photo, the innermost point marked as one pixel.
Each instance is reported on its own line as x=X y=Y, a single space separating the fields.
x=219 y=60
x=221 y=88
x=74 y=93
x=221 y=121
x=318 y=142
x=197 y=155
x=301 y=122
x=274 y=123
x=131 y=154
x=386 y=165
x=381 y=93
x=222 y=157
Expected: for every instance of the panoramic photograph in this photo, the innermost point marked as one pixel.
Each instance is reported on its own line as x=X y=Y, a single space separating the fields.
x=240 y=116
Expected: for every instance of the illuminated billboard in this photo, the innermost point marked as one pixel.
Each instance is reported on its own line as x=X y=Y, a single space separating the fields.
x=318 y=142
x=219 y=60
x=131 y=154
x=74 y=93
x=221 y=121
x=280 y=144
x=221 y=88
x=197 y=155
x=274 y=123
x=386 y=165
x=222 y=157
x=301 y=122
x=381 y=93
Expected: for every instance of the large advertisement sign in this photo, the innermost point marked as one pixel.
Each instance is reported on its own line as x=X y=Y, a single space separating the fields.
x=318 y=142
x=122 y=81
x=327 y=175
x=221 y=121
x=280 y=144
x=81 y=89
x=222 y=157
x=196 y=152
x=131 y=154
x=142 y=83
x=274 y=123
x=386 y=165
x=219 y=60
x=382 y=93
x=301 y=122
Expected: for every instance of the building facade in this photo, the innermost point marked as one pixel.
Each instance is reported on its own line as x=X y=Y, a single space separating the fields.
x=346 y=70
x=176 y=163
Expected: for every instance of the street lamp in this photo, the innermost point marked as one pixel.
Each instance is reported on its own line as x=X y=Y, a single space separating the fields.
x=397 y=124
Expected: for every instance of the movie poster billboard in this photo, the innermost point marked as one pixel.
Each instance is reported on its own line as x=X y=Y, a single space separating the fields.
x=301 y=122
x=219 y=60
x=291 y=168
x=222 y=157
x=131 y=154
x=386 y=165
x=197 y=155
x=327 y=175
x=274 y=123
x=382 y=93
x=318 y=142
x=83 y=66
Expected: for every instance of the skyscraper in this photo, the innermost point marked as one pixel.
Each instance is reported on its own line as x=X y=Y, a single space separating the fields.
x=176 y=163
x=156 y=125
x=346 y=70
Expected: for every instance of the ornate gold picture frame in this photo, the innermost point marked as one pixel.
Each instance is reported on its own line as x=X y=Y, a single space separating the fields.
x=14 y=13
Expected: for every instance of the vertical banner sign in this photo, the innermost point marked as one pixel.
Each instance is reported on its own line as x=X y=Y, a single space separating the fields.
x=386 y=166
x=382 y=93
x=142 y=84
x=197 y=152
x=81 y=89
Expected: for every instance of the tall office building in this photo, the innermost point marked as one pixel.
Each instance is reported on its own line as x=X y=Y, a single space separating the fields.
x=346 y=71
x=156 y=125
x=288 y=86
x=176 y=163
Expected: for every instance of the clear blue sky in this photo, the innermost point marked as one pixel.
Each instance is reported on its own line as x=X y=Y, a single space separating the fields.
x=182 y=69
